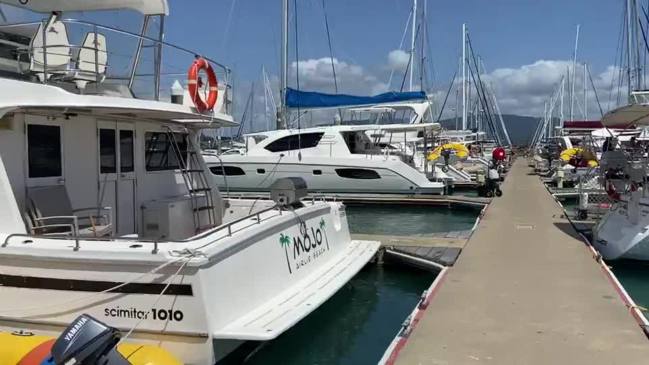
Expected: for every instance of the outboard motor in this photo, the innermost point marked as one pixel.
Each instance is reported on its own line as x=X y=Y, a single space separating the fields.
x=87 y=342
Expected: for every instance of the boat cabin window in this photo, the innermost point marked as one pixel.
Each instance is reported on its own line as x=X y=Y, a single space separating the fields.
x=107 y=151
x=295 y=142
x=126 y=153
x=160 y=153
x=362 y=174
x=44 y=150
x=359 y=142
x=229 y=170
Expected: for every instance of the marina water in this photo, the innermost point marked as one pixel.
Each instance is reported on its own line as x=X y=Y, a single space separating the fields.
x=358 y=323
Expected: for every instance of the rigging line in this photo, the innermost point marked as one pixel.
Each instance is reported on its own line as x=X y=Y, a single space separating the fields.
x=450 y=87
x=155 y=303
x=644 y=35
x=590 y=76
x=228 y=24
x=297 y=81
x=430 y=56
x=331 y=52
x=403 y=38
x=405 y=74
x=245 y=112
x=331 y=55
x=481 y=89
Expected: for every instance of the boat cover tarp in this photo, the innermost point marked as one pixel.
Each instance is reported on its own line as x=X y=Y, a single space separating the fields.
x=313 y=100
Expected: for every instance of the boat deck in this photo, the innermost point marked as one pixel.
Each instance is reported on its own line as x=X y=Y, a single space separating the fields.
x=525 y=290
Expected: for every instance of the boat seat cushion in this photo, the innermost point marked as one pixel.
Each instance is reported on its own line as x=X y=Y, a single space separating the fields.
x=51 y=44
x=91 y=60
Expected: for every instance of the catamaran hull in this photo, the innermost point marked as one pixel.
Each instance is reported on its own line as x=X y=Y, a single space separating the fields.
x=252 y=286
x=348 y=176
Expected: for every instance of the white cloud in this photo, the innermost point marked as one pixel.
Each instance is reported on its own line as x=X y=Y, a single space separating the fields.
x=317 y=75
x=398 y=60
x=524 y=90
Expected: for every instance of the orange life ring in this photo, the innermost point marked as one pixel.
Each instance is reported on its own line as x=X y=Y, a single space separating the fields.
x=195 y=83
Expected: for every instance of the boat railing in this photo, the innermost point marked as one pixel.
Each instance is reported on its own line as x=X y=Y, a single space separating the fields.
x=256 y=218
x=141 y=70
x=639 y=97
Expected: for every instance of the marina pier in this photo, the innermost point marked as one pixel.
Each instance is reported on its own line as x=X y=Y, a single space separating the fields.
x=525 y=290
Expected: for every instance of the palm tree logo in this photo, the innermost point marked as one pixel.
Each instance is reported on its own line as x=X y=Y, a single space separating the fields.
x=324 y=231
x=285 y=241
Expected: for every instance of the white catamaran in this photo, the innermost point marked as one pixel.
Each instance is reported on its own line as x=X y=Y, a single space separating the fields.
x=331 y=159
x=109 y=209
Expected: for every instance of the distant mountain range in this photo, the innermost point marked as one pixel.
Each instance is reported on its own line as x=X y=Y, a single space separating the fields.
x=520 y=128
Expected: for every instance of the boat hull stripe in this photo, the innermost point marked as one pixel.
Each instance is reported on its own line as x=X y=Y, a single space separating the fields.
x=31 y=282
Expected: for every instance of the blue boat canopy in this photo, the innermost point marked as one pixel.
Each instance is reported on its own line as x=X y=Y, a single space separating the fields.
x=313 y=100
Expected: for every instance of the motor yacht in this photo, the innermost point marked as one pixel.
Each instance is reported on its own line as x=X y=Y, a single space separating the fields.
x=110 y=210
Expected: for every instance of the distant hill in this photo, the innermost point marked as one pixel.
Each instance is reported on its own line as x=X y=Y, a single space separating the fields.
x=520 y=128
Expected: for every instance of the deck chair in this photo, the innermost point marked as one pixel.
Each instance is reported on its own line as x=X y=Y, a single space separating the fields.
x=49 y=212
x=91 y=64
x=57 y=50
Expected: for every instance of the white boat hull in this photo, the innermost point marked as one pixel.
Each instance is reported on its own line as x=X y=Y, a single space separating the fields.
x=259 y=172
x=617 y=237
x=215 y=301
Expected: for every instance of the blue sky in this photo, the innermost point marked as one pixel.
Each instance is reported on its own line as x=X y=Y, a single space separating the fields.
x=508 y=34
x=526 y=45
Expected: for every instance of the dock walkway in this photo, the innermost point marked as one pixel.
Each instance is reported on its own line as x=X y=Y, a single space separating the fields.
x=525 y=290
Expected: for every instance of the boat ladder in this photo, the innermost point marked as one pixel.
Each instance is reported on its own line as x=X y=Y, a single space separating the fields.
x=200 y=192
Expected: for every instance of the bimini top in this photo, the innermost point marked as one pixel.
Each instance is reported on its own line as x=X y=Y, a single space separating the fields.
x=627 y=116
x=316 y=100
x=19 y=95
x=146 y=7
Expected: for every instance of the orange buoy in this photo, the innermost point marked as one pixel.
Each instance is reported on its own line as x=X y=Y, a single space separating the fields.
x=195 y=83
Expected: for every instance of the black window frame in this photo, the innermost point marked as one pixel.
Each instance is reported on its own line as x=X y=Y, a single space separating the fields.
x=295 y=142
x=107 y=151
x=357 y=173
x=159 y=153
x=228 y=169
x=52 y=158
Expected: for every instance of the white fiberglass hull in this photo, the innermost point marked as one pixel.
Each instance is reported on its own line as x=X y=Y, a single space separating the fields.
x=249 y=281
x=323 y=175
x=618 y=237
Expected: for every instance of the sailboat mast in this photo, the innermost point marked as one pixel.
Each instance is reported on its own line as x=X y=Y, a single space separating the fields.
x=574 y=74
x=464 y=121
x=412 y=41
x=281 y=113
x=585 y=92
x=629 y=39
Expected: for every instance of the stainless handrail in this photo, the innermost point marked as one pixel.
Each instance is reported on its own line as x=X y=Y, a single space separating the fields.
x=220 y=228
x=124 y=32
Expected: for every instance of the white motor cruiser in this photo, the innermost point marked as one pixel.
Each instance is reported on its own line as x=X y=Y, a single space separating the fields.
x=108 y=207
x=331 y=159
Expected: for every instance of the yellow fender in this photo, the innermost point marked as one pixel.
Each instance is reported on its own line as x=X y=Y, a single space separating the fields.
x=460 y=151
x=14 y=348
x=567 y=154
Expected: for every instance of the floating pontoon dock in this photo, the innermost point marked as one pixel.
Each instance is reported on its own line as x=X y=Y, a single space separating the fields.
x=437 y=200
x=525 y=290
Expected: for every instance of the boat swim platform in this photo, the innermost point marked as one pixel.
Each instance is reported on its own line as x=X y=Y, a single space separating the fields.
x=525 y=290
x=450 y=201
x=440 y=248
